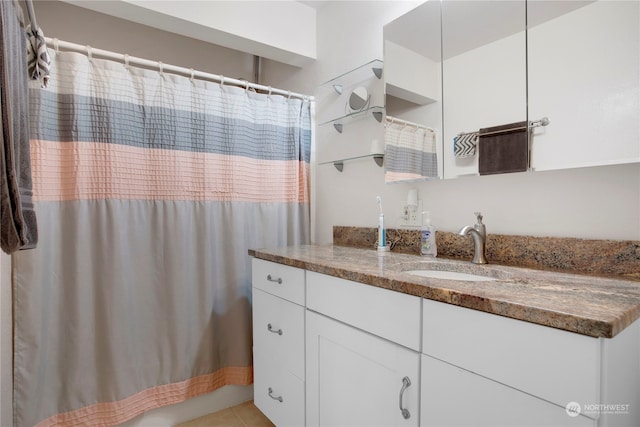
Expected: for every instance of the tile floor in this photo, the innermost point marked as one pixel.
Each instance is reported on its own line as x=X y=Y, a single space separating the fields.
x=243 y=415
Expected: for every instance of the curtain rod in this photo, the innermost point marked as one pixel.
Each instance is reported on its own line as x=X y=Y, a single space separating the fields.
x=124 y=58
x=400 y=121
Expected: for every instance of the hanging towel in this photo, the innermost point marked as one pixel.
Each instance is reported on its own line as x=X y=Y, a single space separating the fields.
x=38 y=60
x=410 y=153
x=503 y=149
x=17 y=216
x=464 y=145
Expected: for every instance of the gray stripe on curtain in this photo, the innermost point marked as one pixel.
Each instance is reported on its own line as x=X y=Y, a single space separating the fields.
x=89 y=119
x=126 y=300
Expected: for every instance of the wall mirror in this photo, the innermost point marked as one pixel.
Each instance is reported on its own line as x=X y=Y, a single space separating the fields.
x=413 y=72
x=359 y=99
x=484 y=68
x=575 y=62
x=586 y=80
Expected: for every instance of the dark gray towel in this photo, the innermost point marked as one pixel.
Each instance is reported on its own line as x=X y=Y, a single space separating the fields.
x=18 y=228
x=505 y=151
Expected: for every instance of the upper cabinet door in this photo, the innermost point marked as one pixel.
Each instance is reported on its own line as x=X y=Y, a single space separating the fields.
x=584 y=75
x=484 y=72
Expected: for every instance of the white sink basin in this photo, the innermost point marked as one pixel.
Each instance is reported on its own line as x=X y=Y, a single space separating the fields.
x=451 y=275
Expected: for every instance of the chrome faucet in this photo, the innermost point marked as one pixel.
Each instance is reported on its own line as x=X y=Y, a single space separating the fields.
x=479 y=234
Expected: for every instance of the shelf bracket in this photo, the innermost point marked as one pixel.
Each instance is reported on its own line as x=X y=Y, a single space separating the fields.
x=377 y=158
x=338 y=127
x=377 y=115
x=377 y=72
x=338 y=88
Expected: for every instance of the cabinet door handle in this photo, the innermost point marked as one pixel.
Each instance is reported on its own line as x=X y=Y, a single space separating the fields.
x=270 y=329
x=406 y=382
x=277 y=280
x=278 y=398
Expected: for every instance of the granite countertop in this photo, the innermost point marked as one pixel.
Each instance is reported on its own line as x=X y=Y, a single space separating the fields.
x=593 y=306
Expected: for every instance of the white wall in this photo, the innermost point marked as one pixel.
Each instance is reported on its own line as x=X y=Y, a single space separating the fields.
x=597 y=202
x=246 y=26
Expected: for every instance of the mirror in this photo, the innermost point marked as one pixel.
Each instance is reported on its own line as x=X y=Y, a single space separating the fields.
x=586 y=80
x=484 y=64
x=359 y=99
x=412 y=72
x=502 y=62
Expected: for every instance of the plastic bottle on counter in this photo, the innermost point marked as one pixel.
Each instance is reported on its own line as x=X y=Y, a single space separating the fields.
x=428 y=237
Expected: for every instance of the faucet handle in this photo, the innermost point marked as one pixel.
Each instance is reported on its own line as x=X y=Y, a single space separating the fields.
x=478 y=216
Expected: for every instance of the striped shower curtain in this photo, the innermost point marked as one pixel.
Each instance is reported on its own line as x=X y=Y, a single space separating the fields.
x=149 y=190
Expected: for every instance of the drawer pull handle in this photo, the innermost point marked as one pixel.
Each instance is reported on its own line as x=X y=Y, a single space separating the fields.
x=270 y=329
x=278 y=280
x=278 y=398
x=405 y=384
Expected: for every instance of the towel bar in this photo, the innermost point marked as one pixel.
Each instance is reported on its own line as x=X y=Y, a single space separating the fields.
x=532 y=124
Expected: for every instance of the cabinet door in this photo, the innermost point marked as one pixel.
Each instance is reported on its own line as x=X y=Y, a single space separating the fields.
x=584 y=76
x=278 y=330
x=277 y=392
x=452 y=396
x=355 y=378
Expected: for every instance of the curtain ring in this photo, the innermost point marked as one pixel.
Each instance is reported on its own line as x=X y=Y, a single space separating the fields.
x=221 y=80
x=193 y=74
x=56 y=45
x=126 y=61
x=269 y=96
x=89 y=53
x=246 y=87
x=160 y=67
x=289 y=95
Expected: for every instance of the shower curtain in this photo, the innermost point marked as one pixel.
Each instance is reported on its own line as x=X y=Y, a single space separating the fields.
x=149 y=189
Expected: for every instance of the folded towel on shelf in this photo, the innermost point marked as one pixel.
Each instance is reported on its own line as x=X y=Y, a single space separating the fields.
x=410 y=153
x=464 y=145
x=503 y=149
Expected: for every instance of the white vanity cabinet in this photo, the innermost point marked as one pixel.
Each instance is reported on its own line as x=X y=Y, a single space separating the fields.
x=363 y=361
x=330 y=351
x=452 y=396
x=278 y=341
x=507 y=372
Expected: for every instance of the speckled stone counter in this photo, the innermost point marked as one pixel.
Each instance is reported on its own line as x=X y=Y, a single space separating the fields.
x=611 y=258
x=593 y=306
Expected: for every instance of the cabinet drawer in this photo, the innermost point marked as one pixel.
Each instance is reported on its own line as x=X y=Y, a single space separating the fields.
x=277 y=393
x=446 y=389
x=277 y=279
x=278 y=330
x=387 y=314
x=552 y=364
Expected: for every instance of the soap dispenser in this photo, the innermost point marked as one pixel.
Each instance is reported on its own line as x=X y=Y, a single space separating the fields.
x=428 y=237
